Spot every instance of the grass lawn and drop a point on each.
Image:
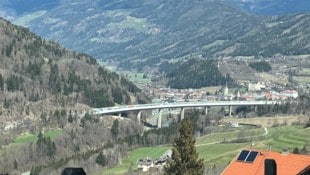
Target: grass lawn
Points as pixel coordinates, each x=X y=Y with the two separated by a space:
x=219 y=153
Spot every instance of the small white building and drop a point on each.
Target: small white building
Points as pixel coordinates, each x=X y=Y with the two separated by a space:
x=256 y=87
x=145 y=164
x=290 y=93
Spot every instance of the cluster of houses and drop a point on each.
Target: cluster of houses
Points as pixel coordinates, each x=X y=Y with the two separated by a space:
x=270 y=95
x=148 y=164
x=259 y=91
x=254 y=91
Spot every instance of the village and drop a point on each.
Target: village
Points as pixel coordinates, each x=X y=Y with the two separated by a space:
x=253 y=91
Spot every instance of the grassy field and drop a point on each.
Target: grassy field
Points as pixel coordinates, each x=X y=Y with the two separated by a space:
x=219 y=153
x=302 y=80
x=268 y=121
x=135 y=77
x=225 y=136
x=213 y=152
x=287 y=137
x=273 y=78
x=214 y=44
x=28 y=138
x=305 y=71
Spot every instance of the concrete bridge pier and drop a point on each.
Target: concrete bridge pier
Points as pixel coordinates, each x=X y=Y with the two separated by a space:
x=139 y=117
x=206 y=110
x=159 y=119
x=182 y=113
x=120 y=114
x=230 y=110
x=255 y=108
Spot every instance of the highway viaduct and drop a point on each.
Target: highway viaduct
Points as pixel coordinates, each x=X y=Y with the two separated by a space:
x=181 y=105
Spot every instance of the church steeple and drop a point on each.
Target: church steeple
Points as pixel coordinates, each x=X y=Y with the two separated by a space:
x=226 y=88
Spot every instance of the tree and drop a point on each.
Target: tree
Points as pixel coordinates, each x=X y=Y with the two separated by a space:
x=296 y=150
x=1 y=82
x=35 y=170
x=15 y=164
x=101 y=159
x=114 y=129
x=6 y=103
x=184 y=156
x=261 y=66
x=40 y=138
x=70 y=118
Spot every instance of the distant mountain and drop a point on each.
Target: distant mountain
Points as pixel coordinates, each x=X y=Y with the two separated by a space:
x=137 y=33
x=272 y=7
x=11 y=9
x=39 y=76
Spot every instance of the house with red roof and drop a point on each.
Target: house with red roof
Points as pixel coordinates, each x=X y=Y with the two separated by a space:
x=290 y=93
x=253 y=162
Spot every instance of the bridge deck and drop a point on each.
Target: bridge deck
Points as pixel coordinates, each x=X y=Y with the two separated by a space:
x=118 y=109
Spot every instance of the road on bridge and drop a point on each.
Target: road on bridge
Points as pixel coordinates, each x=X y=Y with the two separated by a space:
x=119 y=109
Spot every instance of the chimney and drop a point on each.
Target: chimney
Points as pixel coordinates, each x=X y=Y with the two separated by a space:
x=270 y=167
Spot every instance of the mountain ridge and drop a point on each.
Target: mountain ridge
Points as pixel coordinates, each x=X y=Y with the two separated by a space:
x=143 y=34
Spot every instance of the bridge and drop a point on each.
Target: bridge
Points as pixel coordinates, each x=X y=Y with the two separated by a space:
x=182 y=105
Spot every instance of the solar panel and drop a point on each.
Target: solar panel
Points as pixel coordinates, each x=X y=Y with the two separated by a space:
x=243 y=155
x=251 y=157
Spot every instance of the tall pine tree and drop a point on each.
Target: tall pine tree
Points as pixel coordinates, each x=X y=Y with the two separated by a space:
x=114 y=129
x=184 y=155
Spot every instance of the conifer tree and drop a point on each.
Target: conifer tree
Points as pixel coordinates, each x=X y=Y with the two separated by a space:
x=184 y=155
x=114 y=129
x=1 y=82
x=101 y=159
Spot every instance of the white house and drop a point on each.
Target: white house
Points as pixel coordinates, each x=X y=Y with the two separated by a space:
x=256 y=87
x=290 y=93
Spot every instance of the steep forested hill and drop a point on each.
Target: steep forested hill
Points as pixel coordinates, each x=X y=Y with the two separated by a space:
x=39 y=76
x=194 y=73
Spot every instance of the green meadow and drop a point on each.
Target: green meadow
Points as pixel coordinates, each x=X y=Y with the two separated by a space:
x=32 y=137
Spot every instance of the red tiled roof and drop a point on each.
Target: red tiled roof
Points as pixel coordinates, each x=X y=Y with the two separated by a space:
x=287 y=164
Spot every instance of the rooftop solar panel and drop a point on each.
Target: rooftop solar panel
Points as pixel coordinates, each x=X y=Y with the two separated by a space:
x=251 y=157
x=243 y=155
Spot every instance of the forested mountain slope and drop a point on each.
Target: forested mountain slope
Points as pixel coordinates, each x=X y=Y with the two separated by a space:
x=39 y=76
x=272 y=7
x=142 y=33
x=194 y=73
